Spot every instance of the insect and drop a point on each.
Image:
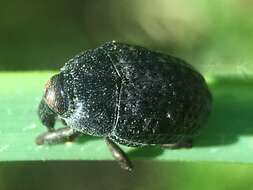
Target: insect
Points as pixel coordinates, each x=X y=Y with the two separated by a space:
x=128 y=95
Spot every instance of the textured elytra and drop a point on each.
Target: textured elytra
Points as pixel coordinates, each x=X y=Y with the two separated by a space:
x=133 y=95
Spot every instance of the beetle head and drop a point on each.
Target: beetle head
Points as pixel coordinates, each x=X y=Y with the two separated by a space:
x=54 y=95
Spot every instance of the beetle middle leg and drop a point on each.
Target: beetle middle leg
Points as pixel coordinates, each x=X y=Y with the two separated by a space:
x=55 y=136
x=187 y=143
x=119 y=155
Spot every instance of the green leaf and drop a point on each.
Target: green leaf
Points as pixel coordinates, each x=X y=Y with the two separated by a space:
x=227 y=136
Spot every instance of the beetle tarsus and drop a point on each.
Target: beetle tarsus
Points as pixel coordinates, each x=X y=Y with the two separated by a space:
x=182 y=144
x=57 y=136
x=119 y=155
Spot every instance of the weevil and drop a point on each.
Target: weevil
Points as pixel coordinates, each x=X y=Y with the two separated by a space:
x=128 y=95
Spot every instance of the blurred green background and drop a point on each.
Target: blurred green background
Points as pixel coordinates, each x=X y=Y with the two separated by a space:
x=215 y=36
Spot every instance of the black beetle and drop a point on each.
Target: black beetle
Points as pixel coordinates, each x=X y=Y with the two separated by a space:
x=128 y=95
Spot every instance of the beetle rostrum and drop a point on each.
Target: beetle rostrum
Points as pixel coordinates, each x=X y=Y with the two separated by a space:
x=128 y=95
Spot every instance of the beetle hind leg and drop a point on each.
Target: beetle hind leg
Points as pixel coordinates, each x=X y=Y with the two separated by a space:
x=119 y=155
x=187 y=143
x=55 y=136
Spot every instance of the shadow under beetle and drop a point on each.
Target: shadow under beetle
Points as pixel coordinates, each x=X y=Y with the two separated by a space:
x=128 y=95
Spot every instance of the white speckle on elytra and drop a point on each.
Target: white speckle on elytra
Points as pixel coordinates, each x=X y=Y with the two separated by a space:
x=4 y=147
x=32 y=126
x=121 y=60
x=168 y=115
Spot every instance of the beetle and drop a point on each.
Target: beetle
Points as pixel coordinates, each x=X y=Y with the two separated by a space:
x=127 y=94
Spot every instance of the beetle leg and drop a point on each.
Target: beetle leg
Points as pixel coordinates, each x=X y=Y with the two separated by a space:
x=57 y=136
x=119 y=155
x=46 y=115
x=182 y=144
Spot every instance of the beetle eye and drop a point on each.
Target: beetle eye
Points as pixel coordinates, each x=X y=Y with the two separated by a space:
x=54 y=95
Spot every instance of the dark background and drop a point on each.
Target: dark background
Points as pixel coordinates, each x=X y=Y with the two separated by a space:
x=107 y=175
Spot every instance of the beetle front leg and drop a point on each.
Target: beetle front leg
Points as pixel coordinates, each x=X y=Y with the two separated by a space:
x=57 y=136
x=119 y=155
x=52 y=136
x=46 y=115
